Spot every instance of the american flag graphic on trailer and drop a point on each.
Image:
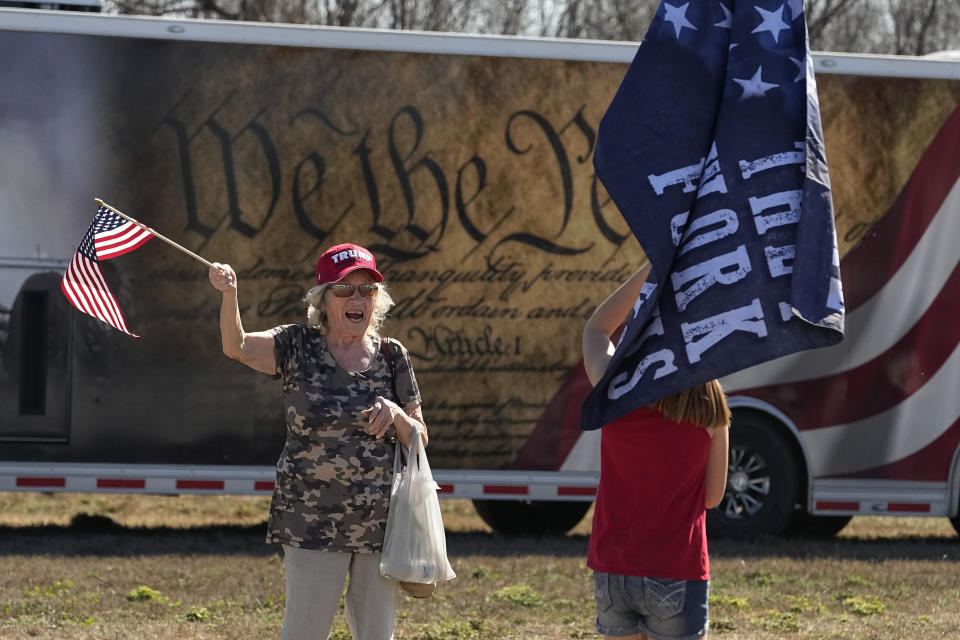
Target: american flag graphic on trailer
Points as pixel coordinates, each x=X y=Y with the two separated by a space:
x=83 y=283
x=880 y=405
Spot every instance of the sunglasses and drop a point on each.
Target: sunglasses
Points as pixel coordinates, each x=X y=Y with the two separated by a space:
x=346 y=290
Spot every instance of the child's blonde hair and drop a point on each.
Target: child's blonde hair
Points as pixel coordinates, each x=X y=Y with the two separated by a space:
x=704 y=405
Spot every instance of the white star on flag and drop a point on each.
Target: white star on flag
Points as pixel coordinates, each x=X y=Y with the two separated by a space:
x=678 y=17
x=754 y=87
x=772 y=22
x=727 y=22
x=796 y=8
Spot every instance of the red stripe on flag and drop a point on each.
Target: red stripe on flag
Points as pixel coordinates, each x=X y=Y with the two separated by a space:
x=263 y=485
x=83 y=283
x=881 y=383
x=445 y=488
x=105 y=296
x=68 y=290
x=89 y=290
x=127 y=248
x=85 y=288
x=931 y=463
x=894 y=375
x=74 y=291
x=41 y=482
x=112 y=302
x=883 y=251
x=824 y=505
x=97 y=291
x=210 y=485
x=117 y=236
x=121 y=483
x=86 y=292
x=120 y=241
x=505 y=489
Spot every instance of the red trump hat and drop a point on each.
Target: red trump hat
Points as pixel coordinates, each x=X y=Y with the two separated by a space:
x=341 y=259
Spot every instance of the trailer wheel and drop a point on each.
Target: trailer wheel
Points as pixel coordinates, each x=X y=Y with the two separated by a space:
x=531 y=517
x=762 y=481
x=804 y=525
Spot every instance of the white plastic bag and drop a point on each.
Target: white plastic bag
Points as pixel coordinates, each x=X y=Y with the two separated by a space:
x=415 y=546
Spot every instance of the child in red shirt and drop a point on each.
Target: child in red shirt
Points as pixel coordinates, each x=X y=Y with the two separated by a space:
x=661 y=467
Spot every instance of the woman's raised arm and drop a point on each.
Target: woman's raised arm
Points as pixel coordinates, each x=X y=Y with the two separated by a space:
x=252 y=349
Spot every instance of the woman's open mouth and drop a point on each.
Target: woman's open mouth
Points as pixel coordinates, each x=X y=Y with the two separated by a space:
x=354 y=316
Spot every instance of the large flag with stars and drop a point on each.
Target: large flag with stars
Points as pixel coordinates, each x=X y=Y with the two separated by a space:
x=713 y=151
x=83 y=283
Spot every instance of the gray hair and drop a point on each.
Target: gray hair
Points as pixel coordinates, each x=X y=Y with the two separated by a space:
x=317 y=317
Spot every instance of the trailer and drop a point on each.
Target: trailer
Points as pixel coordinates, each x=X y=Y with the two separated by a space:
x=464 y=163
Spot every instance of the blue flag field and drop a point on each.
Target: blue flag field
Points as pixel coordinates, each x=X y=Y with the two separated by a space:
x=713 y=151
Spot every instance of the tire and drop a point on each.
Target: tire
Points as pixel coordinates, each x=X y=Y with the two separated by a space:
x=804 y=525
x=762 y=481
x=530 y=518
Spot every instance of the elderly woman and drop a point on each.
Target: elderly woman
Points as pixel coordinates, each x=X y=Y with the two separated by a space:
x=347 y=392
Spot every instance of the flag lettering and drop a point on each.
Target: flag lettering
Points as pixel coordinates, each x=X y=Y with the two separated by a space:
x=688 y=176
x=702 y=335
x=789 y=199
x=725 y=269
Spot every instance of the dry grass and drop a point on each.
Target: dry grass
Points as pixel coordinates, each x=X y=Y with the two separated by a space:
x=194 y=567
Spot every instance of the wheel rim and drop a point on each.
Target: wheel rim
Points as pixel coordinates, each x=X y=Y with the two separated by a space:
x=748 y=484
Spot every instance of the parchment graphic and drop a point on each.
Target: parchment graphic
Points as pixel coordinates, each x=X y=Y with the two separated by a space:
x=469 y=178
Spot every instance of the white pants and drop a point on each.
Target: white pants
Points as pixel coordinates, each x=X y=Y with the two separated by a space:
x=314 y=585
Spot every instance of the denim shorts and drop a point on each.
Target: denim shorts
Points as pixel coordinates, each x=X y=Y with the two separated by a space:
x=661 y=608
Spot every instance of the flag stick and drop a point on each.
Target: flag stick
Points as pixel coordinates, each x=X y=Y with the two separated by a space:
x=162 y=237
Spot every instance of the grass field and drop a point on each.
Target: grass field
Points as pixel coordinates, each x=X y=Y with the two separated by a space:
x=101 y=567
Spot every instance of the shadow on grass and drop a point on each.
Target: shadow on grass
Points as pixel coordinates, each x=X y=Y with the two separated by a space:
x=933 y=548
x=100 y=536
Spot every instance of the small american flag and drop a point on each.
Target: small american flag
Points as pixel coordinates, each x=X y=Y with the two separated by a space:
x=109 y=236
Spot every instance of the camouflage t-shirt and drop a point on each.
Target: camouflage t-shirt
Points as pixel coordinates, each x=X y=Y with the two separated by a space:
x=333 y=479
